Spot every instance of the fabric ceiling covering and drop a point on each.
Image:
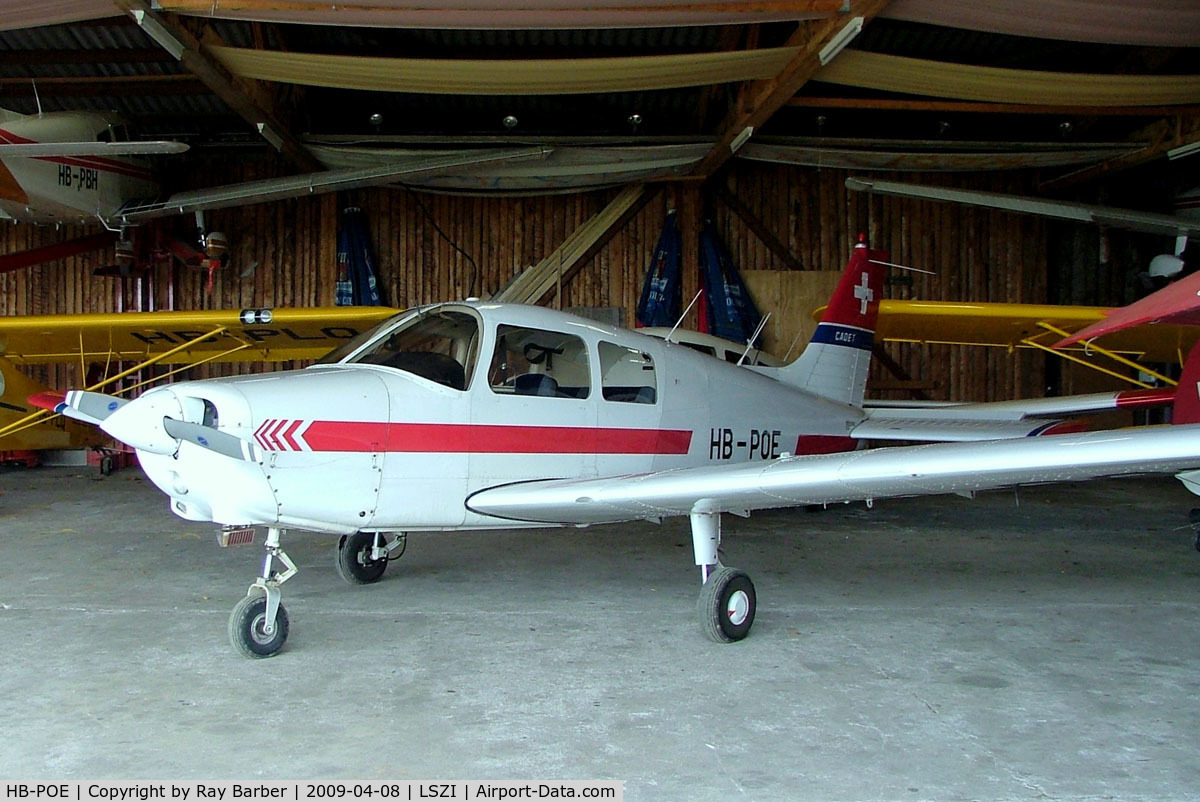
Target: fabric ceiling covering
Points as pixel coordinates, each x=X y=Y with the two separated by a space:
x=499 y=14
x=1159 y=23
x=16 y=14
x=997 y=85
x=502 y=77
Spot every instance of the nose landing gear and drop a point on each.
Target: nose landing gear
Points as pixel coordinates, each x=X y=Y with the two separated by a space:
x=258 y=625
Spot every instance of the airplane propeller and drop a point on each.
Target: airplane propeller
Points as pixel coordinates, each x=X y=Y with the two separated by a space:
x=154 y=422
x=214 y=440
x=90 y=407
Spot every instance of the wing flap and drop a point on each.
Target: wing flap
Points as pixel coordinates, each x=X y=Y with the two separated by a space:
x=852 y=476
x=947 y=430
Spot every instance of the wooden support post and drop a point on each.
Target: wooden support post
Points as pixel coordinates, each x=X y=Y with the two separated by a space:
x=690 y=219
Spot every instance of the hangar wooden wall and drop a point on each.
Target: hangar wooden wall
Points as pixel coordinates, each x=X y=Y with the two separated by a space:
x=977 y=255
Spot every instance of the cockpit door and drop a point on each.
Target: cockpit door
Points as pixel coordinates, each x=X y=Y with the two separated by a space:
x=534 y=412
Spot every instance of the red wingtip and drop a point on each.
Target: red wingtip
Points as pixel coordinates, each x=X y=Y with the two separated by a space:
x=48 y=399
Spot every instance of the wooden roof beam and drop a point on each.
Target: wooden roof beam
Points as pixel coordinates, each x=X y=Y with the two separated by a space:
x=757 y=101
x=100 y=85
x=1162 y=136
x=249 y=99
x=978 y=107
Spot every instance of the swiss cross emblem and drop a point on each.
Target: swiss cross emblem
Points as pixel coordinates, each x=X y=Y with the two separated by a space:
x=864 y=294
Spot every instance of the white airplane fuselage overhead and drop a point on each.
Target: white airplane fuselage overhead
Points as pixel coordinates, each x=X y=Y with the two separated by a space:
x=66 y=188
x=398 y=428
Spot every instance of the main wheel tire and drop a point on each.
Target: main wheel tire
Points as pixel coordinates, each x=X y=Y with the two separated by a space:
x=726 y=605
x=354 y=561
x=246 y=624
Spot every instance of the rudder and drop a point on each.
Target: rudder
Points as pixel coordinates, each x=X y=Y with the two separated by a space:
x=836 y=361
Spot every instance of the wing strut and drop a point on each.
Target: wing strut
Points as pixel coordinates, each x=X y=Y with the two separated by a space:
x=45 y=414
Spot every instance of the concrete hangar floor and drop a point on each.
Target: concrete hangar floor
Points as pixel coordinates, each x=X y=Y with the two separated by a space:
x=924 y=649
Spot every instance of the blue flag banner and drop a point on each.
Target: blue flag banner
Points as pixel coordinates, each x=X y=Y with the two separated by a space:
x=730 y=313
x=356 y=266
x=659 y=304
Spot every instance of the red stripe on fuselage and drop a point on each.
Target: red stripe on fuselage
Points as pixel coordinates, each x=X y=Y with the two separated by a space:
x=491 y=439
x=824 y=444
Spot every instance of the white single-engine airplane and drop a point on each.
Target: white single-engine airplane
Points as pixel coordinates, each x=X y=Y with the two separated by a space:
x=81 y=167
x=476 y=415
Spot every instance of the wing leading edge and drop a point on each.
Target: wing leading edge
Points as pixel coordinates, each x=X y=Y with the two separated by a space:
x=935 y=469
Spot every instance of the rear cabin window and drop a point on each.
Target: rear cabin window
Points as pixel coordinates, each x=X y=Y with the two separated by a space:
x=627 y=375
x=441 y=347
x=537 y=362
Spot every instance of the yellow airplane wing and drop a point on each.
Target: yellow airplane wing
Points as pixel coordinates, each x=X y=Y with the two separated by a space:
x=251 y=335
x=1026 y=326
x=177 y=338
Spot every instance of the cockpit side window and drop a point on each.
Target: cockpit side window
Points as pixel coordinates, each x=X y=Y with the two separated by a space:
x=441 y=347
x=627 y=374
x=539 y=362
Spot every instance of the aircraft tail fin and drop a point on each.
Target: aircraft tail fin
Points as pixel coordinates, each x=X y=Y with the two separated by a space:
x=1187 y=394
x=836 y=361
x=16 y=411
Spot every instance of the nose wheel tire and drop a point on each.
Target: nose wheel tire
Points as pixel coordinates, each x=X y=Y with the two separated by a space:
x=354 y=561
x=726 y=605
x=247 y=628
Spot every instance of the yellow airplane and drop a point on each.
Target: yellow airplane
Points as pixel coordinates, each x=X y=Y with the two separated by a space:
x=1040 y=327
x=183 y=339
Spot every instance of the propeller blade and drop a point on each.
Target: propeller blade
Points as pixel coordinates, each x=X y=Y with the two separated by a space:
x=207 y=437
x=89 y=407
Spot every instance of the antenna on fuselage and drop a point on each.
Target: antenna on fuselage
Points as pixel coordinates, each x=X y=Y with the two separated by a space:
x=685 y=313
x=750 y=343
x=36 y=97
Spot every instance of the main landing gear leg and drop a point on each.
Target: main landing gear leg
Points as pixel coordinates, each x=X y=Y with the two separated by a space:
x=727 y=600
x=363 y=557
x=258 y=625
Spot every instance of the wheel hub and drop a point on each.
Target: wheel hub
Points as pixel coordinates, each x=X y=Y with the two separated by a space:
x=738 y=607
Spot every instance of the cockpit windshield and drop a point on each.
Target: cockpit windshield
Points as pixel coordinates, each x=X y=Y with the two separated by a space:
x=441 y=346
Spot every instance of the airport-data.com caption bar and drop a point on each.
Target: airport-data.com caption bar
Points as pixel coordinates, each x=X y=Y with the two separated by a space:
x=310 y=791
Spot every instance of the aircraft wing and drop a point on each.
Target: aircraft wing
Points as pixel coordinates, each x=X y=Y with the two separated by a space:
x=313 y=183
x=250 y=335
x=1178 y=302
x=142 y=148
x=850 y=476
x=1080 y=212
x=1024 y=326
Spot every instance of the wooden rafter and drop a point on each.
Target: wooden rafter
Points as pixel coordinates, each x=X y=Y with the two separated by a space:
x=764 y=234
x=757 y=101
x=248 y=99
x=108 y=55
x=82 y=87
x=1163 y=136
x=979 y=107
